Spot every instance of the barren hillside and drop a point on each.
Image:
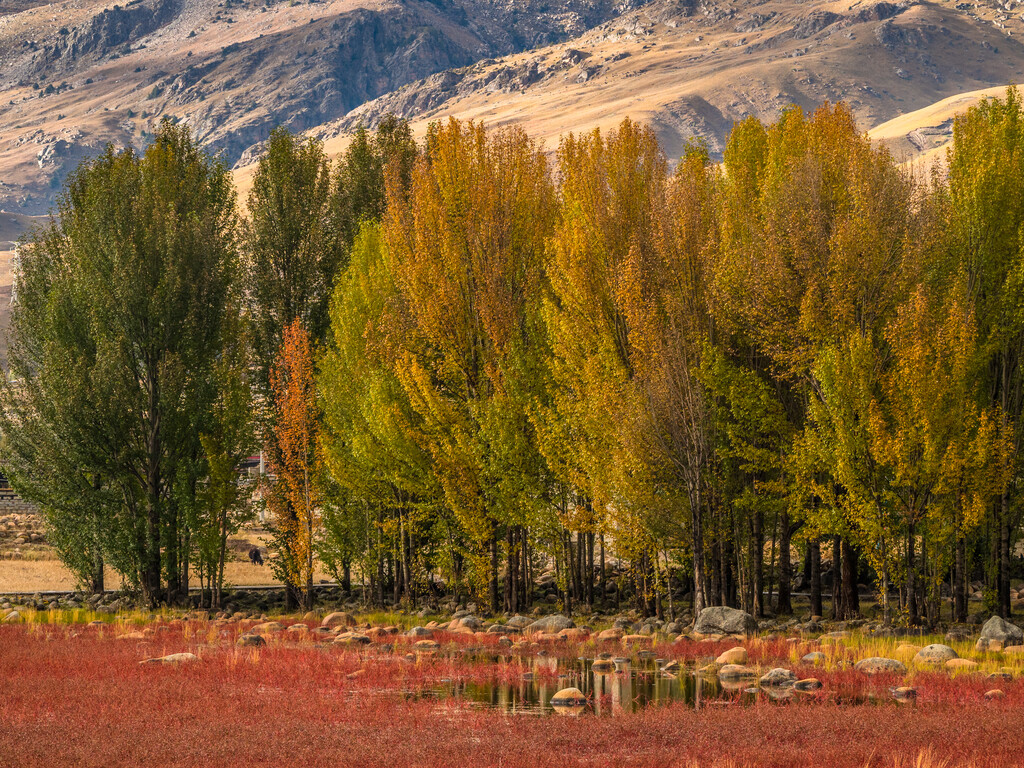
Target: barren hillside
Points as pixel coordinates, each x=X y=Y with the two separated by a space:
x=692 y=69
x=76 y=74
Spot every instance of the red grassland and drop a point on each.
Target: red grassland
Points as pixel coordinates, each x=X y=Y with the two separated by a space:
x=71 y=697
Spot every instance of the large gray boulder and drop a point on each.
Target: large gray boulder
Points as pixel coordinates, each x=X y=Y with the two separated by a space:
x=720 y=620
x=554 y=623
x=1003 y=631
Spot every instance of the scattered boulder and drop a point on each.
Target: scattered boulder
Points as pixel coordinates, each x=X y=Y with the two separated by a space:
x=554 y=623
x=904 y=694
x=1001 y=630
x=174 y=658
x=964 y=665
x=250 y=641
x=995 y=693
x=470 y=622
x=420 y=632
x=12 y=618
x=936 y=653
x=267 y=627
x=878 y=665
x=629 y=640
x=724 y=621
x=778 y=678
x=519 y=622
x=736 y=672
x=352 y=638
x=569 y=701
x=615 y=633
x=737 y=655
x=814 y=657
x=574 y=633
x=338 y=619
x=807 y=685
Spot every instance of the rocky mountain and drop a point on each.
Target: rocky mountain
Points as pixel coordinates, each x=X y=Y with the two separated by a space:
x=78 y=73
x=75 y=74
x=692 y=68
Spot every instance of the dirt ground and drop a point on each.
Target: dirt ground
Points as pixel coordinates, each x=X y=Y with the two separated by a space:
x=51 y=575
x=43 y=572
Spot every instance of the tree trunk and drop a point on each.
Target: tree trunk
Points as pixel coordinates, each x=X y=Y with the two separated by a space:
x=912 y=610
x=151 y=586
x=1005 y=608
x=784 y=605
x=960 y=581
x=838 y=611
x=494 y=574
x=757 y=545
x=697 y=526
x=851 y=600
x=814 y=555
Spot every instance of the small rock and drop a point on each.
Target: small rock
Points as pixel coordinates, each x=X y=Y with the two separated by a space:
x=995 y=693
x=815 y=657
x=250 y=641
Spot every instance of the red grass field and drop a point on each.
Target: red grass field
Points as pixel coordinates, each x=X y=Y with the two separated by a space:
x=71 y=697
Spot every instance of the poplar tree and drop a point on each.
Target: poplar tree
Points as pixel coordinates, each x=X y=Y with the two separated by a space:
x=125 y=296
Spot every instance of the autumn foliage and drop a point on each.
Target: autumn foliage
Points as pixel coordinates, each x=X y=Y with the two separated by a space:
x=293 y=492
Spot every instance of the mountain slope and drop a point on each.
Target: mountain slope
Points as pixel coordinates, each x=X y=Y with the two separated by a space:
x=693 y=69
x=78 y=73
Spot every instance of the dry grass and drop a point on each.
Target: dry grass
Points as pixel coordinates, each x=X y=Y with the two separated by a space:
x=51 y=575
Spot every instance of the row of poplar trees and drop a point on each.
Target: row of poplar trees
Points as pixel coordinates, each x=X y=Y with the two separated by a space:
x=468 y=362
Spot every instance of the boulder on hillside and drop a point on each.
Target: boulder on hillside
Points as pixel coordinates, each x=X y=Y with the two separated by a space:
x=720 y=620
x=554 y=623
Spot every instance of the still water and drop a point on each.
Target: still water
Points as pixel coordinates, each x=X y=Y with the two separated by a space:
x=634 y=686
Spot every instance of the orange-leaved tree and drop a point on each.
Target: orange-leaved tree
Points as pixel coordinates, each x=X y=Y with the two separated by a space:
x=293 y=493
